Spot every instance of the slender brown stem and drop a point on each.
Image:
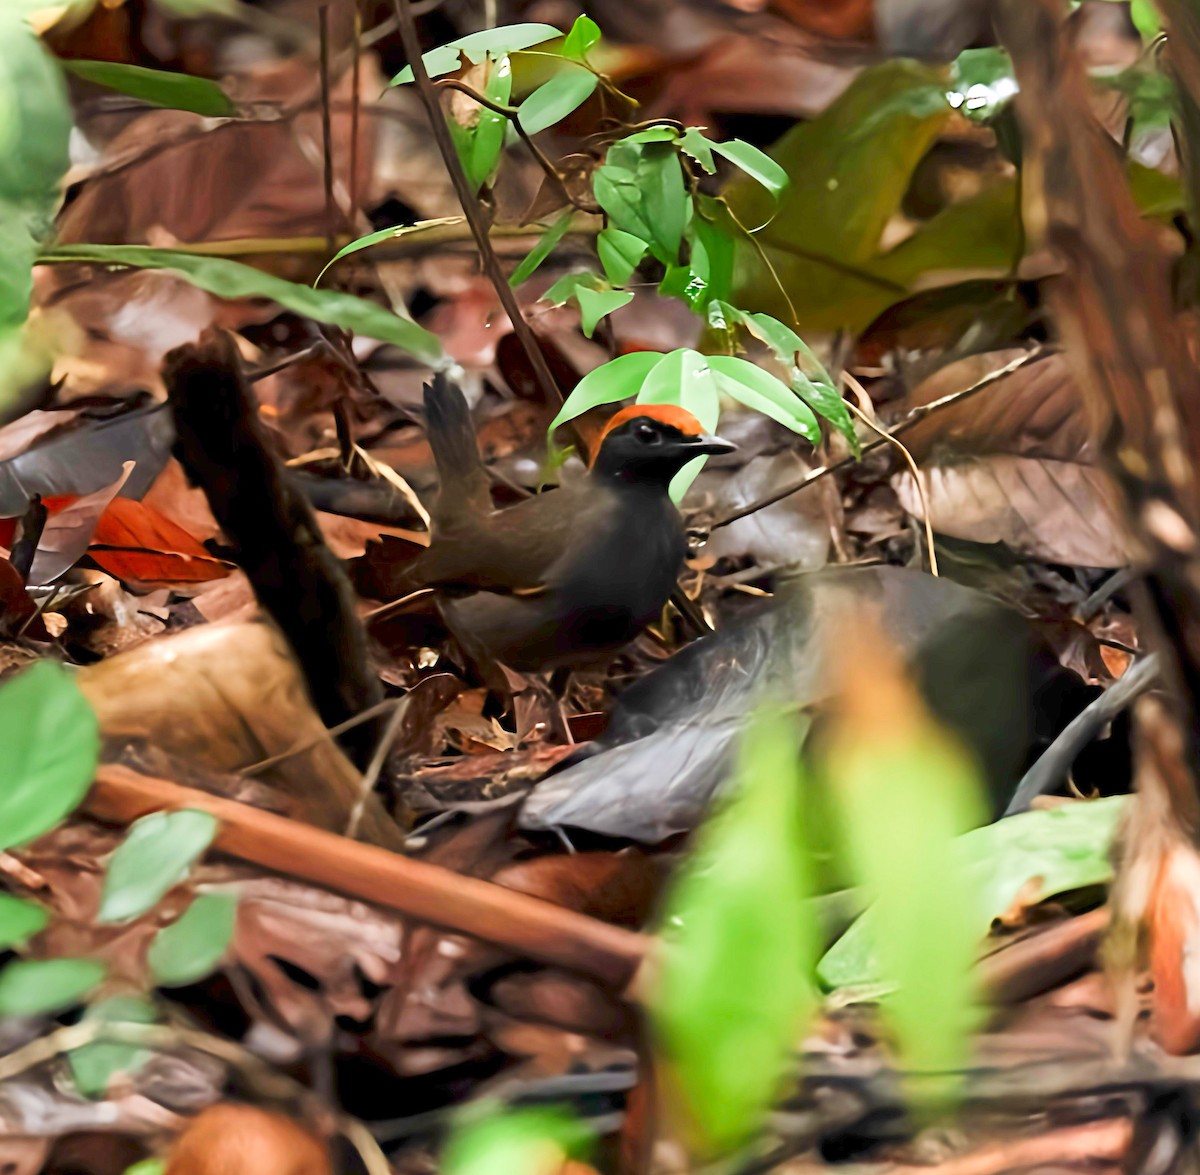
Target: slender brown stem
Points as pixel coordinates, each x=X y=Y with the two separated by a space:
x=470 y=205
x=327 y=130
x=356 y=75
x=916 y=414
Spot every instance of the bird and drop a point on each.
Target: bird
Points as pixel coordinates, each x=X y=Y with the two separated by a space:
x=983 y=669
x=568 y=576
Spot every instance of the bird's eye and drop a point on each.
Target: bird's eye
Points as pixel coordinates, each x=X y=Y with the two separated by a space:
x=647 y=434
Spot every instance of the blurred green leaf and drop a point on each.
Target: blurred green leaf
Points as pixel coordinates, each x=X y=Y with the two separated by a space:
x=620 y=254
x=982 y=83
x=1034 y=856
x=584 y=35
x=51 y=742
x=1145 y=18
x=19 y=920
x=760 y=390
x=699 y=147
x=385 y=234
x=230 y=279
x=733 y=992
x=905 y=791
x=535 y=1141
x=498 y=42
x=35 y=125
x=618 y=379
x=542 y=249
x=553 y=101
x=160 y=87
x=33 y=987
x=156 y=855
x=94 y=1065
x=191 y=947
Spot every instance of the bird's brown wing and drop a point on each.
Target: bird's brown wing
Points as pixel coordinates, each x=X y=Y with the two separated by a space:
x=511 y=550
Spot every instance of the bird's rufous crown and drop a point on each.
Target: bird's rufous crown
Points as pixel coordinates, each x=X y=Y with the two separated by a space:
x=671 y=414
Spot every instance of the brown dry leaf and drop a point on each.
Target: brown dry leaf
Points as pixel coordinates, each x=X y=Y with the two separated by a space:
x=1015 y=465
x=229 y=696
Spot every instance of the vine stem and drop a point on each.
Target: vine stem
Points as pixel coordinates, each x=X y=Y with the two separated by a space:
x=470 y=205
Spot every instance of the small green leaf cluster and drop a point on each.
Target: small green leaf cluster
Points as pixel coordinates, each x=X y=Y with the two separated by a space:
x=52 y=742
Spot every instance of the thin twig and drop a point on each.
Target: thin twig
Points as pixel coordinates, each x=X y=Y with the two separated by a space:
x=918 y=479
x=470 y=205
x=512 y=113
x=916 y=414
x=327 y=128
x=356 y=77
x=370 y=777
x=320 y=347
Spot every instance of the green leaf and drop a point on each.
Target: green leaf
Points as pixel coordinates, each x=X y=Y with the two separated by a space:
x=553 y=101
x=156 y=855
x=33 y=987
x=684 y=377
x=480 y=142
x=905 y=792
x=94 y=1065
x=230 y=279
x=618 y=379
x=699 y=147
x=35 y=125
x=147 y=1166
x=584 y=35
x=51 y=743
x=1145 y=18
x=1031 y=857
x=617 y=189
x=733 y=991
x=542 y=249
x=496 y=42
x=758 y=165
x=533 y=1141
x=667 y=206
x=760 y=390
x=595 y=304
x=712 y=254
x=620 y=254
x=192 y=946
x=385 y=234
x=160 y=87
x=19 y=920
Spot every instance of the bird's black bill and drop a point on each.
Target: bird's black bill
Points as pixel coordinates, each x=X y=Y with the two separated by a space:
x=710 y=445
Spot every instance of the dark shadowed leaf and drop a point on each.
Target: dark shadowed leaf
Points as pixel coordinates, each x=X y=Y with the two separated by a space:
x=192 y=946
x=51 y=742
x=32 y=987
x=734 y=991
x=155 y=856
x=160 y=87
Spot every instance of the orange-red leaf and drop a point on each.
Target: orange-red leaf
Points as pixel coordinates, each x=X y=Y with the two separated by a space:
x=133 y=541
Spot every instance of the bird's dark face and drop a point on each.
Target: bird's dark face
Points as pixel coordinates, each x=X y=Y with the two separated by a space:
x=650 y=444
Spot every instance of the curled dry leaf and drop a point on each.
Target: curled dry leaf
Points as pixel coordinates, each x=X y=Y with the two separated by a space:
x=1015 y=465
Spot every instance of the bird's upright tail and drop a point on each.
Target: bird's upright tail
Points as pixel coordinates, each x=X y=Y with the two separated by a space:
x=463 y=483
